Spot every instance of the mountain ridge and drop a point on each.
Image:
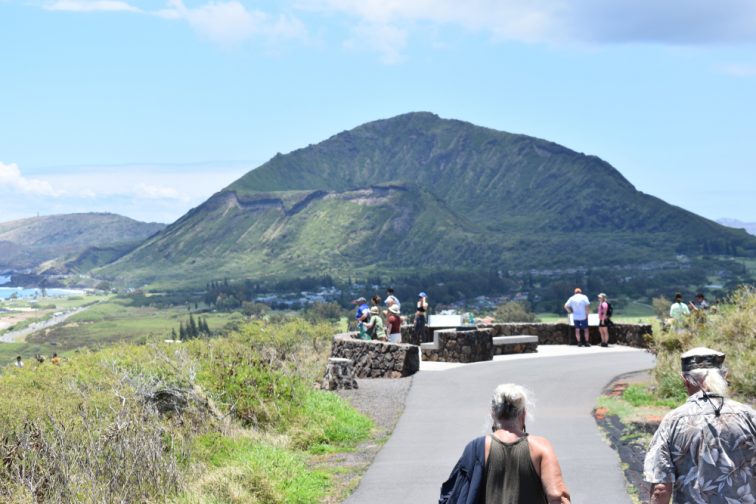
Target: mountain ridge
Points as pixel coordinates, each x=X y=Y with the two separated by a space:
x=31 y=242
x=461 y=197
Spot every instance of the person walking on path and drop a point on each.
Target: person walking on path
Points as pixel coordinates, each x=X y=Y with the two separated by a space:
x=705 y=450
x=604 y=320
x=19 y=363
x=509 y=466
x=579 y=306
x=421 y=314
x=394 y=324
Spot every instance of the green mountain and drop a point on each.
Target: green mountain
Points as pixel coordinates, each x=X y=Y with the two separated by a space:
x=417 y=193
x=52 y=241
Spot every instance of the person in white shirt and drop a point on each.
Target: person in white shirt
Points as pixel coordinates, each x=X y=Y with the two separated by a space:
x=579 y=306
x=391 y=299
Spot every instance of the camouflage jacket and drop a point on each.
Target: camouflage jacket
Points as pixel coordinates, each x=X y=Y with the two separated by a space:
x=709 y=459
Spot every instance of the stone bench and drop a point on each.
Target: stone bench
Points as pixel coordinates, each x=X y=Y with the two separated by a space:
x=525 y=343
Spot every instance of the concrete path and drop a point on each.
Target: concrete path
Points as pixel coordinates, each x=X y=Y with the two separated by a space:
x=448 y=407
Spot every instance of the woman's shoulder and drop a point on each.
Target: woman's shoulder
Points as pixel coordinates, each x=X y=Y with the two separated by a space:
x=540 y=444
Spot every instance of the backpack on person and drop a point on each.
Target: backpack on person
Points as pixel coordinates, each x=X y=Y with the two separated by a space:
x=609 y=310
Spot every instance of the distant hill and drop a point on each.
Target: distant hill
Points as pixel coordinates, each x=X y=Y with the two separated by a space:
x=417 y=193
x=750 y=227
x=27 y=244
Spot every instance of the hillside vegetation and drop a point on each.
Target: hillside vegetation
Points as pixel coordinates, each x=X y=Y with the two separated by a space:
x=417 y=194
x=224 y=420
x=730 y=328
x=28 y=243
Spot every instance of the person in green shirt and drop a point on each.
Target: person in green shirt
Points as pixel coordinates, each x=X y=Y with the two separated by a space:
x=678 y=310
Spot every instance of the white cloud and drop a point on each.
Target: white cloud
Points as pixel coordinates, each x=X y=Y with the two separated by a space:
x=91 y=6
x=674 y=22
x=10 y=177
x=231 y=23
x=149 y=191
x=386 y=40
x=738 y=69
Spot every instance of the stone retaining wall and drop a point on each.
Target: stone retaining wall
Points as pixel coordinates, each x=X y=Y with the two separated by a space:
x=558 y=334
x=473 y=345
x=515 y=348
x=377 y=359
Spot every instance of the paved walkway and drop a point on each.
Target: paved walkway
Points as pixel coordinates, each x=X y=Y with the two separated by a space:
x=448 y=405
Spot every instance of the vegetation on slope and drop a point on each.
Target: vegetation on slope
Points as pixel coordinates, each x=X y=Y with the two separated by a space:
x=729 y=328
x=416 y=194
x=27 y=243
x=232 y=419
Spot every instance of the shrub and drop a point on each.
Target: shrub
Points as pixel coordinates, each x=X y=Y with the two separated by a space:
x=729 y=328
x=515 y=311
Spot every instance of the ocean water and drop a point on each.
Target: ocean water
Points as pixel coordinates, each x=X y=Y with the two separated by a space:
x=7 y=292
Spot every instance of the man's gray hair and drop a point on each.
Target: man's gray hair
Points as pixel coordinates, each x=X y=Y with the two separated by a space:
x=710 y=380
x=509 y=401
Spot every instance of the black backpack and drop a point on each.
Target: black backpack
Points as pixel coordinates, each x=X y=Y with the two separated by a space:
x=609 y=310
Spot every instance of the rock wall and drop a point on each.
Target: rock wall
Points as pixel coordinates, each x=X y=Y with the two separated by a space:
x=558 y=334
x=377 y=359
x=454 y=345
x=515 y=348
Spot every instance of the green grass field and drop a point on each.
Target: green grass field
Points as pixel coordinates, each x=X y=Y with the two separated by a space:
x=116 y=320
x=109 y=320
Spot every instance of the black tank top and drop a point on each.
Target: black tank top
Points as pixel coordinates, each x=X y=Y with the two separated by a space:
x=510 y=475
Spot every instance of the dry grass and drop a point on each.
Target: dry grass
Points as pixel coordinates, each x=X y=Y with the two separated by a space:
x=730 y=328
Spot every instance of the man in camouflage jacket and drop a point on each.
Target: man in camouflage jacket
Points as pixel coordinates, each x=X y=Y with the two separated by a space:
x=706 y=449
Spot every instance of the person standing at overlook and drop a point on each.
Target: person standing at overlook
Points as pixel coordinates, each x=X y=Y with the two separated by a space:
x=579 y=306
x=394 y=323
x=604 y=321
x=421 y=317
x=391 y=299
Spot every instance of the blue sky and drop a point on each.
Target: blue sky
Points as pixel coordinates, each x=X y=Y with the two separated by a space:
x=147 y=107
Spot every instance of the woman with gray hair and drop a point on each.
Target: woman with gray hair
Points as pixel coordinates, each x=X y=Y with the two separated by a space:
x=509 y=466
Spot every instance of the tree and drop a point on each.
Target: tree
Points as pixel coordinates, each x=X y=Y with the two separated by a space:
x=182 y=332
x=192 y=328
x=515 y=311
x=661 y=307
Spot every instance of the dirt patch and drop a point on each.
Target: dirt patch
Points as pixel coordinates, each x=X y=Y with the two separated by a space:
x=629 y=440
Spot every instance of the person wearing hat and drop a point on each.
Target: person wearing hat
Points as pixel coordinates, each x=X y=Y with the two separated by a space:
x=579 y=306
x=421 y=314
x=375 y=328
x=363 y=310
x=705 y=450
x=394 y=324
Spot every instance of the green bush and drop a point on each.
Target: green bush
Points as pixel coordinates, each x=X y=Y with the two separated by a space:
x=729 y=327
x=93 y=429
x=515 y=311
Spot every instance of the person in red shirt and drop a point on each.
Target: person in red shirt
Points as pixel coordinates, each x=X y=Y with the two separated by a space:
x=394 y=324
